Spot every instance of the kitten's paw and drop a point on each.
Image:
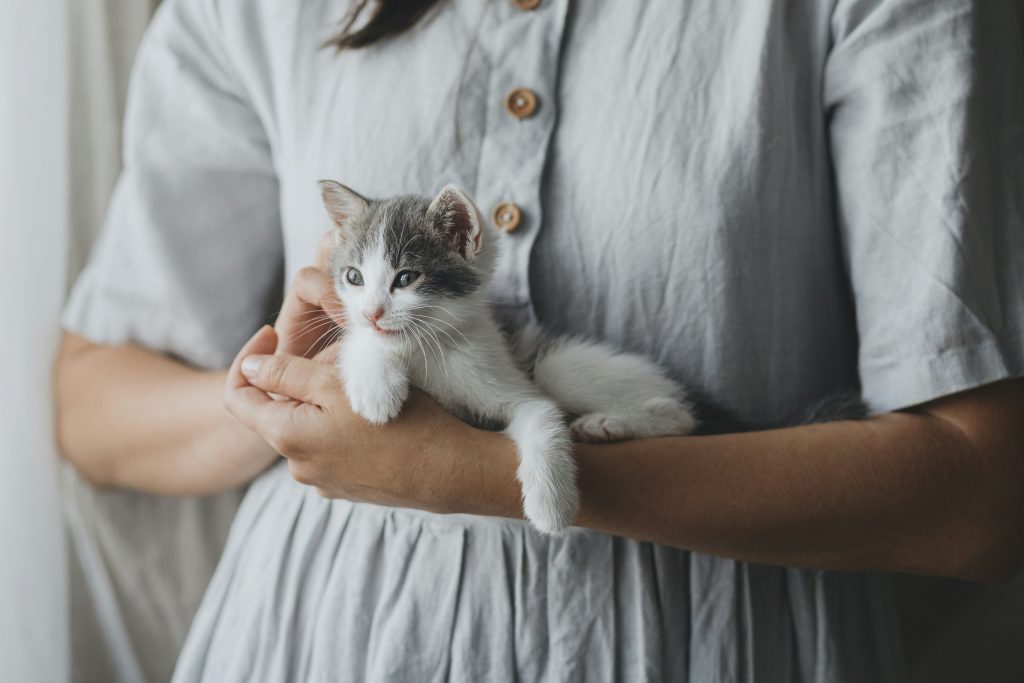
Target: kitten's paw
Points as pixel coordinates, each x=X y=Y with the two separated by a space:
x=376 y=388
x=664 y=417
x=378 y=405
x=551 y=509
x=598 y=428
x=547 y=465
x=551 y=497
x=655 y=417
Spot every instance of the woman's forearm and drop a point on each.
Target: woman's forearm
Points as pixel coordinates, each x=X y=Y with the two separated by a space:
x=840 y=496
x=935 y=490
x=908 y=492
x=132 y=418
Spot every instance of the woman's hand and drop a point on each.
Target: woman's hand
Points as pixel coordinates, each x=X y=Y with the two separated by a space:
x=173 y=435
x=426 y=459
x=311 y=316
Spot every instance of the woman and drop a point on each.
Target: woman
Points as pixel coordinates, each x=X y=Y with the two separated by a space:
x=774 y=200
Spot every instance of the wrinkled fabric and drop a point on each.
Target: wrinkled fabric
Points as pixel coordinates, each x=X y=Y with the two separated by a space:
x=776 y=200
x=311 y=590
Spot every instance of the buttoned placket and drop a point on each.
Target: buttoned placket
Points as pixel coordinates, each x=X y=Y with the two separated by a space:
x=522 y=41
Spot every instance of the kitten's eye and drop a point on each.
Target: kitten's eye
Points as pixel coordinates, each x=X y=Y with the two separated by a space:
x=406 y=278
x=354 y=277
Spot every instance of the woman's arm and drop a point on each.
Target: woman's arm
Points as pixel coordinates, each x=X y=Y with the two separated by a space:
x=133 y=418
x=936 y=490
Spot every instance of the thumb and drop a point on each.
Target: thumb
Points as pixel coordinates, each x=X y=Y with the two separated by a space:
x=297 y=378
x=237 y=390
x=263 y=342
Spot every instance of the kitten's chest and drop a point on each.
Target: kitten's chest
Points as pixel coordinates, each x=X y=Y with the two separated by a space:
x=450 y=377
x=430 y=370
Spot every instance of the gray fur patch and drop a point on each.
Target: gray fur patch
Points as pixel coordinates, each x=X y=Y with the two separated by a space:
x=413 y=240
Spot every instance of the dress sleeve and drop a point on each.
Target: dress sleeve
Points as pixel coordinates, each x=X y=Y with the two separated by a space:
x=190 y=257
x=926 y=121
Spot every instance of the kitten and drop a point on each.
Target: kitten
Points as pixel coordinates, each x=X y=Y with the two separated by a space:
x=413 y=275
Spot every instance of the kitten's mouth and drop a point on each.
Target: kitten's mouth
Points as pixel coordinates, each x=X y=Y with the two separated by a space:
x=385 y=331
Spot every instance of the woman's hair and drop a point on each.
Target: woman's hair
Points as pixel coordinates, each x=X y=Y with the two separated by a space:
x=371 y=21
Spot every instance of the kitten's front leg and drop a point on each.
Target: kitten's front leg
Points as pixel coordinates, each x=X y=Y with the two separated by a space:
x=547 y=466
x=375 y=377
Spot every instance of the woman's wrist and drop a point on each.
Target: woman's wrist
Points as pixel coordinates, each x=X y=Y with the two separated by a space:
x=217 y=453
x=478 y=475
x=132 y=418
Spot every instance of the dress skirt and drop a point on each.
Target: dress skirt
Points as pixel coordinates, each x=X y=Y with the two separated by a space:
x=316 y=590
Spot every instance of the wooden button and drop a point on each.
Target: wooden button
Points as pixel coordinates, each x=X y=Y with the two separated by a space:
x=526 y=5
x=507 y=216
x=521 y=103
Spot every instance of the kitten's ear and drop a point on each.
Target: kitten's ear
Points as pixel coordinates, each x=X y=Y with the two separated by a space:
x=457 y=218
x=343 y=204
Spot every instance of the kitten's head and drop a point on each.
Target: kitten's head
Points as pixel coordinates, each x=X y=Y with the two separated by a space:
x=405 y=266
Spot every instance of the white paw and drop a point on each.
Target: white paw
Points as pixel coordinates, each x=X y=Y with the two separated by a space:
x=655 y=417
x=550 y=495
x=599 y=428
x=547 y=466
x=665 y=417
x=551 y=509
x=378 y=403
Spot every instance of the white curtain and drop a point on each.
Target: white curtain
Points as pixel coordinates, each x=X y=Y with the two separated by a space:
x=33 y=197
x=64 y=68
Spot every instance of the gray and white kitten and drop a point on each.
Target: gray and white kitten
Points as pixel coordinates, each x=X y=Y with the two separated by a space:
x=413 y=275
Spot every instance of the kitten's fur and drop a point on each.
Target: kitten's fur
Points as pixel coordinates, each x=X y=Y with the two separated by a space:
x=437 y=332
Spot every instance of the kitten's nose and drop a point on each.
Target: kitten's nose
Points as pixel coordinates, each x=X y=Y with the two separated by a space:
x=373 y=315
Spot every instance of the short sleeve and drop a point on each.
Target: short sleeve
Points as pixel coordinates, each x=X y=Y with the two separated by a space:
x=926 y=124
x=190 y=257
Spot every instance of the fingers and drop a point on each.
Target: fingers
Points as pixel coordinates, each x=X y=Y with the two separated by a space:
x=310 y=314
x=328 y=355
x=322 y=260
x=274 y=420
x=297 y=378
x=263 y=342
x=314 y=287
x=243 y=400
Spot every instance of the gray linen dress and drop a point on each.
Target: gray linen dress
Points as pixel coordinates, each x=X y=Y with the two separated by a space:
x=775 y=199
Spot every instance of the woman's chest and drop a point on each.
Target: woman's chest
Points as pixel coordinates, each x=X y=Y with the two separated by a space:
x=667 y=163
x=614 y=129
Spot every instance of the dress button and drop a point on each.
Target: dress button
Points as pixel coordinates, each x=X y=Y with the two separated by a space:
x=507 y=216
x=526 y=4
x=521 y=103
